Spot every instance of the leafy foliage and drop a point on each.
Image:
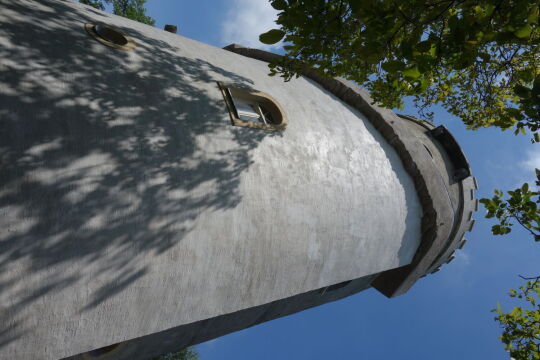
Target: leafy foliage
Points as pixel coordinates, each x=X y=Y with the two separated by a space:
x=522 y=206
x=98 y=4
x=131 y=9
x=479 y=59
x=521 y=327
x=184 y=354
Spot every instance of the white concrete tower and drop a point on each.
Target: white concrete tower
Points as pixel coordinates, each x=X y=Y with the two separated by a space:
x=157 y=192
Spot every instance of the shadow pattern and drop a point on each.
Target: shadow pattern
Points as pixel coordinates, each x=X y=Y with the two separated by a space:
x=102 y=156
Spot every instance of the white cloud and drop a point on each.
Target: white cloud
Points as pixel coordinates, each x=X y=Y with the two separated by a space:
x=457 y=274
x=531 y=162
x=246 y=20
x=463 y=257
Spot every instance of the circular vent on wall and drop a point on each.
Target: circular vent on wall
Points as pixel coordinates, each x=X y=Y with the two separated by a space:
x=108 y=35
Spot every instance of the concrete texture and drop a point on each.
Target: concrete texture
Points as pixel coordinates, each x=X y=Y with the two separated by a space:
x=172 y=340
x=129 y=205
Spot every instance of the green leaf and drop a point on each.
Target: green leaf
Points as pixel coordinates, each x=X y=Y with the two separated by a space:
x=279 y=4
x=516 y=114
x=424 y=84
x=522 y=91
x=271 y=37
x=533 y=15
x=423 y=46
x=393 y=66
x=523 y=32
x=412 y=73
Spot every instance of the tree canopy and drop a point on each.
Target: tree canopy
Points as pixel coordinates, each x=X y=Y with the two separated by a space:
x=521 y=326
x=479 y=59
x=184 y=354
x=131 y=9
x=521 y=207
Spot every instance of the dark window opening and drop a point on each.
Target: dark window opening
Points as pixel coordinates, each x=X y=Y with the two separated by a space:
x=454 y=152
x=110 y=34
x=429 y=151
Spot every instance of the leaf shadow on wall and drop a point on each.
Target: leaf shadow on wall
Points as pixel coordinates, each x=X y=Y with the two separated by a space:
x=101 y=157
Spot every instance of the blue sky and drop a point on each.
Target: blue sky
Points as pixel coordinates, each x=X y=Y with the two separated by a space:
x=445 y=315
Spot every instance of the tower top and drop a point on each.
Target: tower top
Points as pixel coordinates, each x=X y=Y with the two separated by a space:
x=427 y=152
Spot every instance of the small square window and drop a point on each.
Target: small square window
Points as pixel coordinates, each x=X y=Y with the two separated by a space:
x=251 y=108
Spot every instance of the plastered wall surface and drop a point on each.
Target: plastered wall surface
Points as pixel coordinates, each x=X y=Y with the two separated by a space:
x=129 y=204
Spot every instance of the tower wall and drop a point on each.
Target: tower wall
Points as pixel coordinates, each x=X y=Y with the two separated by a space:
x=131 y=205
x=180 y=337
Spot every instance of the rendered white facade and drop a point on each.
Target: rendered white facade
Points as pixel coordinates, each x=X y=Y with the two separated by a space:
x=130 y=204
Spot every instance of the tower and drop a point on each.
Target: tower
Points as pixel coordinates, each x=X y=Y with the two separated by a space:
x=157 y=192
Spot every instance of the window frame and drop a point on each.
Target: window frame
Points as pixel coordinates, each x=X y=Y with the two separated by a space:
x=231 y=91
x=90 y=30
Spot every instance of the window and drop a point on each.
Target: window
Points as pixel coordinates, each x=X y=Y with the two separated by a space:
x=107 y=35
x=251 y=108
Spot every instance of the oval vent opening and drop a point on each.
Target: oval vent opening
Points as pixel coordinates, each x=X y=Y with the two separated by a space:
x=110 y=34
